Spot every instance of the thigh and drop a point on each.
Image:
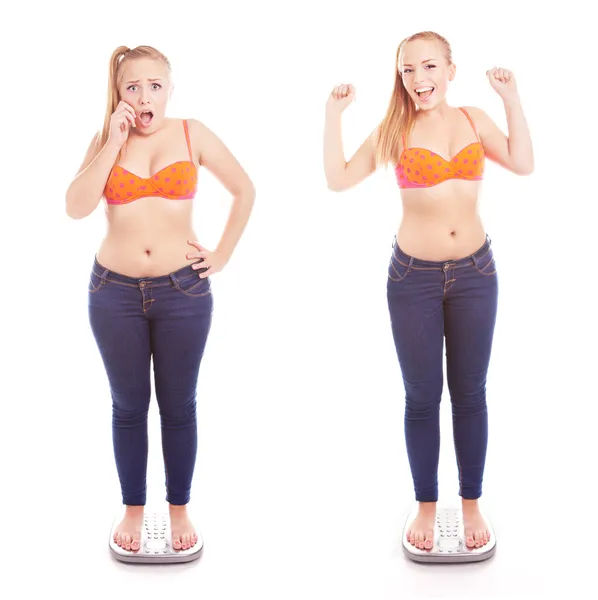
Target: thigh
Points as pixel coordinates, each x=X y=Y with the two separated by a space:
x=416 y=314
x=470 y=317
x=122 y=334
x=181 y=318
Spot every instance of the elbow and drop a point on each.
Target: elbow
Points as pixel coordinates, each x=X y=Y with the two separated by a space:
x=525 y=169
x=335 y=185
x=246 y=193
x=73 y=209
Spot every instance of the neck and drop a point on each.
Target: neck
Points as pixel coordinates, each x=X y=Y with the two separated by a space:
x=438 y=112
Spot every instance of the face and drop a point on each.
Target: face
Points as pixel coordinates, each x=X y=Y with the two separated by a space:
x=425 y=72
x=146 y=86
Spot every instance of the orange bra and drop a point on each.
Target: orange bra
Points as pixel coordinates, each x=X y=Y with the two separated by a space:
x=177 y=181
x=419 y=167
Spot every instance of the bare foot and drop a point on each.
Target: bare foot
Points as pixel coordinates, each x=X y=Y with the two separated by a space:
x=475 y=528
x=128 y=533
x=183 y=532
x=421 y=531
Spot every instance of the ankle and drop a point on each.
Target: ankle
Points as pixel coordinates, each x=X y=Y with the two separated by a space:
x=134 y=512
x=469 y=504
x=427 y=507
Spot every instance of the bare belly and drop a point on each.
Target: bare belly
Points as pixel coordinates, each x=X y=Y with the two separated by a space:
x=441 y=223
x=148 y=237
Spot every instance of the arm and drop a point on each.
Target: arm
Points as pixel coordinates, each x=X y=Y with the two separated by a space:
x=513 y=152
x=217 y=158
x=85 y=192
x=340 y=174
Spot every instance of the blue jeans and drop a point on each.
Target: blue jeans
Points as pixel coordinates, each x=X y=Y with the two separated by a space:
x=166 y=319
x=430 y=302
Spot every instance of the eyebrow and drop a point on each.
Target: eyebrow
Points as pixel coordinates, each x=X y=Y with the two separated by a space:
x=138 y=80
x=423 y=61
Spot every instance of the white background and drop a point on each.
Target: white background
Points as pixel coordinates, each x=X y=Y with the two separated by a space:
x=302 y=483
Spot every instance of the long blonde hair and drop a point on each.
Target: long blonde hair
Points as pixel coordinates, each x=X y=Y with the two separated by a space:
x=119 y=56
x=401 y=113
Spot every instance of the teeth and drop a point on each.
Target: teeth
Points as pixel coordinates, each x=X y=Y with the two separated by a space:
x=427 y=89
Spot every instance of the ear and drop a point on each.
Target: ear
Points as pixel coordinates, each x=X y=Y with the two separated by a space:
x=452 y=71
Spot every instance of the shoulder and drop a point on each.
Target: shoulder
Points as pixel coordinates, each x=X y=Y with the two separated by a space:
x=201 y=136
x=198 y=130
x=483 y=123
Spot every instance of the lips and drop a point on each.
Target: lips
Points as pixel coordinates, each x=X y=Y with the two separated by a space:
x=146 y=117
x=425 y=92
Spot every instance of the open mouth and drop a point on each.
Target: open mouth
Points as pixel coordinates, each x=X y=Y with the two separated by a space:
x=146 y=117
x=425 y=92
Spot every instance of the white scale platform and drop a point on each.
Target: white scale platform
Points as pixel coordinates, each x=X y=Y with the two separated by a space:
x=156 y=546
x=449 y=541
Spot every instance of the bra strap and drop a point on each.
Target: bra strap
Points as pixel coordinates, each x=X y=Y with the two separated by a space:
x=188 y=140
x=470 y=121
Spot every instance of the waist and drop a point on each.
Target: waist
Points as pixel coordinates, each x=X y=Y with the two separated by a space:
x=146 y=256
x=415 y=262
x=157 y=279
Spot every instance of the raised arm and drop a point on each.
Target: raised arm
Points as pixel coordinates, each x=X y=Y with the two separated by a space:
x=340 y=174
x=85 y=191
x=513 y=151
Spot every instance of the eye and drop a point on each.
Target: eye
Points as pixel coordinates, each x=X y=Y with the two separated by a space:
x=431 y=66
x=130 y=88
x=406 y=70
x=157 y=86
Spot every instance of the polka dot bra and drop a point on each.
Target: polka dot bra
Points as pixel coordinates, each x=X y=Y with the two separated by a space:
x=419 y=167
x=177 y=181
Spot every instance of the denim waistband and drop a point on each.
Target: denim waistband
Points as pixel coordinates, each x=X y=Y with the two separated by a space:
x=109 y=275
x=432 y=264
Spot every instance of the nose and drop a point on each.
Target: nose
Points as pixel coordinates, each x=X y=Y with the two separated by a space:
x=418 y=75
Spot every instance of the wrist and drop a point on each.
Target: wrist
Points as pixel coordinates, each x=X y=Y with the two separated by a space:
x=223 y=254
x=510 y=101
x=112 y=146
x=332 y=112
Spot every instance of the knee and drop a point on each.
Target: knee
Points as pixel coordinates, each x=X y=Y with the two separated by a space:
x=130 y=408
x=423 y=398
x=468 y=392
x=177 y=409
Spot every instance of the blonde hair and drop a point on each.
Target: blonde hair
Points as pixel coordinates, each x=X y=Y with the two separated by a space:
x=401 y=113
x=119 y=56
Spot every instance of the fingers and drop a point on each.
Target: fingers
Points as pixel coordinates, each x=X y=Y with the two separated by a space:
x=202 y=255
x=197 y=245
x=126 y=112
x=499 y=74
x=209 y=271
x=343 y=91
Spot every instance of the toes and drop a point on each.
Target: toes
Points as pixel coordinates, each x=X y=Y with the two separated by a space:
x=135 y=543
x=469 y=541
x=185 y=538
x=127 y=542
x=478 y=539
x=485 y=537
x=195 y=538
x=176 y=543
x=428 y=543
x=420 y=541
x=119 y=540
